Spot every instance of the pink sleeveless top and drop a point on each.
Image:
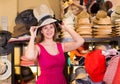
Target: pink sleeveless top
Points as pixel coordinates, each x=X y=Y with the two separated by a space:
x=51 y=66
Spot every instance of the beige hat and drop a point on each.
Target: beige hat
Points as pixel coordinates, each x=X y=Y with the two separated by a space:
x=42 y=10
x=5 y=69
x=116 y=14
x=83 y=14
x=117 y=10
x=101 y=14
x=83 y=18
x=102 y=36
x=44 y=15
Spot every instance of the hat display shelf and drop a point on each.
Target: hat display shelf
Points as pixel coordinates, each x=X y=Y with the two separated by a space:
x=104 y=33
x=5 y=64
x=18 y=65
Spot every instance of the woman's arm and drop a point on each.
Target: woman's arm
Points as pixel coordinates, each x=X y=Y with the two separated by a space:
x=77 y=40
x=32 y=50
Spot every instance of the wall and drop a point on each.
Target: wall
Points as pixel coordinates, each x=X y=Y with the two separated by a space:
x=115 y=3
x=10 y=8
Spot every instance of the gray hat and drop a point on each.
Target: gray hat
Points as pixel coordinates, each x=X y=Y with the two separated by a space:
x=5 y=46
x=80 y=73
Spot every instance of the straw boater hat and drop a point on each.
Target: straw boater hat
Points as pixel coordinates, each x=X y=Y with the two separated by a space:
x=83 y=18
x=102 y=18
x=5 y=69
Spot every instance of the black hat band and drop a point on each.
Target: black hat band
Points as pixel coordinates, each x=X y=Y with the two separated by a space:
x=44 y=18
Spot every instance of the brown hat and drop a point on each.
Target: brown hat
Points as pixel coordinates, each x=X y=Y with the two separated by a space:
x=19 y=30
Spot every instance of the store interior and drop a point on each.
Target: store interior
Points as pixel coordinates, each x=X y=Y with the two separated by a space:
x=98 y=28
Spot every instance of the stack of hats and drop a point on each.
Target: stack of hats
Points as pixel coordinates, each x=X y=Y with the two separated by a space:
x=27 y=18
x=68 y=20
x=83 y=25
x=24 y=20
x=117 y=27
x=102 y=25
x=115 y=18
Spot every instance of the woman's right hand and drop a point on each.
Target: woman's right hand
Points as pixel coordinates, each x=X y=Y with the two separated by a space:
x=33 y=31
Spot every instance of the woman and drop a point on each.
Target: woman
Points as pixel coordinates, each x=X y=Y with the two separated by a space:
x=48 y=52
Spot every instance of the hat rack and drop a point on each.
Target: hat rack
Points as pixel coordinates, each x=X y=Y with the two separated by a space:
x=4 y=59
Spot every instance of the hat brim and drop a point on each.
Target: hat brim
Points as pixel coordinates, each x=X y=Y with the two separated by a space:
x=115 y=14
x=20 y=30
x=81 y=76
x=47 y=21
x=8 y=71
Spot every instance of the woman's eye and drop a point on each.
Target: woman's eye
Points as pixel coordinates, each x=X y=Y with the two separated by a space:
x=51 y=27
x=45 y=27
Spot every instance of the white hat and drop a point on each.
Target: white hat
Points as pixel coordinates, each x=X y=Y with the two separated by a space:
x=5 y=69
x=42 y=10
x=44 y=15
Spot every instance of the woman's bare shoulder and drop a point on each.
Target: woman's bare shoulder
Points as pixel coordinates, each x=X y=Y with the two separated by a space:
x=37 y=48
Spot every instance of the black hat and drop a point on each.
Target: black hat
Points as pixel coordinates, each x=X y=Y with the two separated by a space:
x=26 y=17
x=94 y=8
x=27 y=74
x=5 y=47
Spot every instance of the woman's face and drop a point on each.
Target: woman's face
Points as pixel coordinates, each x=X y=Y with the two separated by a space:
x=48 y=31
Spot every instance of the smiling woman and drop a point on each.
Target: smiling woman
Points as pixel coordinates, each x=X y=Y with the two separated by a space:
x=48 y=51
